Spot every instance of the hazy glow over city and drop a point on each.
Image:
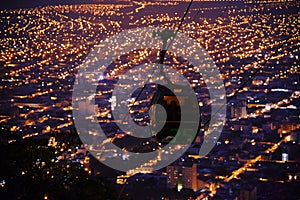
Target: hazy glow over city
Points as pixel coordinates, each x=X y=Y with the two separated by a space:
x=253 y=44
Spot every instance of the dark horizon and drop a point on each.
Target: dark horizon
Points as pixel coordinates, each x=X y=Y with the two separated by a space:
x=14 y=4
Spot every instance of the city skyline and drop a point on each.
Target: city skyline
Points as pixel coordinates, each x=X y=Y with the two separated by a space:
x=254 y=46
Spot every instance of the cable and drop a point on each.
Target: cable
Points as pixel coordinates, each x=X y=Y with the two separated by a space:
x=178 y=28
x=180 y=24
x=251 y=77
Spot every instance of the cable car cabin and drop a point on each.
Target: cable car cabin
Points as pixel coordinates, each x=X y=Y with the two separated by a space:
x=170 y=102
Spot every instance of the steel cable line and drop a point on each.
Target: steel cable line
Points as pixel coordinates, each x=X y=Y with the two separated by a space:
x=251 y=77
x=161 y=59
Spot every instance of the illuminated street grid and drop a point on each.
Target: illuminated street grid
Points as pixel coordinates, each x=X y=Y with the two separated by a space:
x=42 y=48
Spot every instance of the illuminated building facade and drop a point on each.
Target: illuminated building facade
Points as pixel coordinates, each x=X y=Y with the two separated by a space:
x=182 y=175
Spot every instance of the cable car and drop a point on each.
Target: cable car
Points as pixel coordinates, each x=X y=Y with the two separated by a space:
x=170 y=102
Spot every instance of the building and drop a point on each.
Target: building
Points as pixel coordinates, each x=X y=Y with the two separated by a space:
x=238 y=109
x=182 y=175
x=286 y=127
x=248 y=193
